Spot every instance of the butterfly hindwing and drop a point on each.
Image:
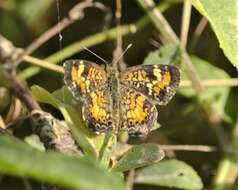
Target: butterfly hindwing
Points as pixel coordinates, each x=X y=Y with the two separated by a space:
x=157 y=82
x=138 y=114
x=97 y=110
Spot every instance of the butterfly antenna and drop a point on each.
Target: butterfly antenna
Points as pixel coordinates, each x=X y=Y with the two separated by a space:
x=123 y=53
x=94 y=54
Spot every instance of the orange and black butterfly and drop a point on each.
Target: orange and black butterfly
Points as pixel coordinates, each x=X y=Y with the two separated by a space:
x=114 y=100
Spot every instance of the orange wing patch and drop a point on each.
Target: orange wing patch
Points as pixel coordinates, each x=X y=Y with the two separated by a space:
x=161 y=83
x=156 y=82
x=137 y=113
x=95 y=74
x=98 y=107
x=139 y=75
x=96 y=111
x=82 y=77
x=77 y=77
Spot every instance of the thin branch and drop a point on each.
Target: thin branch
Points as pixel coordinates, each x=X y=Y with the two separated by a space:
x=44 y=121
x=24 y=95
x=118 y=50
x=43 y=64
x=197 y=33
x=130 y=179
x=163 y=26
x=232 y=82
x=185 y=22
x=90 y=41
x=76 y=13
x=195 y=148
x=161 y=23
x=104 y=36
x=97 y=38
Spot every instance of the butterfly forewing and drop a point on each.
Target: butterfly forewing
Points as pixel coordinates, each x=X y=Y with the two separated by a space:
x=82 y=77
x=157 y=82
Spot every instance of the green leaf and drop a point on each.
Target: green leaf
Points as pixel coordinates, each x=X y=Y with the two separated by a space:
x=107 y=149
x=216 y=95
x=169 y=173
x=74 y=109
x=34 y=141
x=223 y=17
x=138 y=156
x=19 y=159
x=44 y=96
x=165 y=55
x=64 y=95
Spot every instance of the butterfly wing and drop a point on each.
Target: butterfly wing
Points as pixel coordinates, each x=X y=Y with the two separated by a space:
x=97 y=110
x=82 y=77
x=158 y=82
x=138 y=114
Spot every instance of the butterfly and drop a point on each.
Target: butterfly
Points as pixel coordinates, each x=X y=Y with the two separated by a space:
x=115 y=101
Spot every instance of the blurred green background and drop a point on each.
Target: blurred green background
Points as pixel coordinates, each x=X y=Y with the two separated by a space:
x=183 y=121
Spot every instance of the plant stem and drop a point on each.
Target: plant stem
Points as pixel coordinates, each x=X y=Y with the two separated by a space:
x=93 y=40
x=45 y=122
x=197 y=33
x=167 y=32
x=232 y=82
x=104 y=36
x=185 y=22
x=76 y=13
x=195 y=148
x=43 y=64
x=90 y=41
x=163 y=26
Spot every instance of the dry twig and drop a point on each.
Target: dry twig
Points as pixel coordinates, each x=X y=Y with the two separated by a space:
x=76 y=13
x=185 y=22
x=161 y=23
x=54 y=138
x=197 y=33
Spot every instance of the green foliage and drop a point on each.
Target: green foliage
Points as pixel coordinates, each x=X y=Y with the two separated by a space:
x=138 y=156
x=18 y=158
x=168 y=54
x=223 y=18
x=102 y=147
x=104 y=160
x=169 y=173
x=216 y=95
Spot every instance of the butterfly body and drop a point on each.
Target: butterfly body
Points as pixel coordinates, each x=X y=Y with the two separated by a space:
x=116 y=100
